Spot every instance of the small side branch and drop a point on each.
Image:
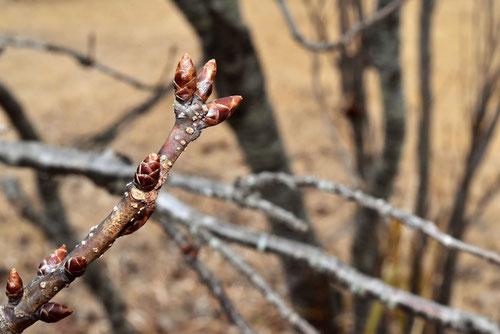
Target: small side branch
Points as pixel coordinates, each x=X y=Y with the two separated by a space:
x=208 y=278
x=359 y=284
x=134 y=209
x=86 y=60
x=347 y=37
x=380 y=206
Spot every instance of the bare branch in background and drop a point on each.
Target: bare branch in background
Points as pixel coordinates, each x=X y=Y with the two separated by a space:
x=272 y=297
x=208 y=278
x=105 y=169
x=342 y=274
x=166 y=204
x=381 y=206
x=86 y=60
x=347 y=37
x=128 y=117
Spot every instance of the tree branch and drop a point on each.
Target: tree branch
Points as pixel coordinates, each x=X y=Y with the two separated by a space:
x=134 y=208
x=85 y=60
x=208 y=278
x=347 y=37
x=382 y=207
x=342 y=274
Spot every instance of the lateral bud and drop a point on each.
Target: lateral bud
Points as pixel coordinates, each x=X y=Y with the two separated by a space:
x=53 y=312
x=49 y=264
x=205 y=81
x=185 y=79
x=220 y=109
x=14 y=289
x=138 y=220
x=148 y=173
x=75 y=267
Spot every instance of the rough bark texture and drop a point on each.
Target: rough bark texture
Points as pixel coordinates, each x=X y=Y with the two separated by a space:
x=419 y=241
x=383 y=45
x=225 y=37
x=56 y=226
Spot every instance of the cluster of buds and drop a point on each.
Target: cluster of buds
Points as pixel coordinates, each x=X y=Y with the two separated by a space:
x=193 y=90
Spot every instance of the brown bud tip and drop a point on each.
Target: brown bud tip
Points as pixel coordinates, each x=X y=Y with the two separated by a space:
x=148 y=173
x=205 y=81
x=138 y=220
x=53 y=312
x=220 y=109
x=75 y=267
x=14 y=289
x=49 y=264
x=185 y=79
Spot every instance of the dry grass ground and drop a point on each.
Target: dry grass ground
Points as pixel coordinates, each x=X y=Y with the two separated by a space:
x=68 y=103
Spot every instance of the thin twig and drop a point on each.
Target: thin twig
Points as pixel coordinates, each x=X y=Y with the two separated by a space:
x=209 y=279
x=347 y=37
x=271 y=296
x=380 y=206
x=342 y=274
x=107 y=169
x=83 y=59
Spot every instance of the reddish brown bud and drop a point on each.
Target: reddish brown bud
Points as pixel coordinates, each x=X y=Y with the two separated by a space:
x=53 y=312
x=148 y=173
x=220 y=109
x=190 y=250
x=49 y=264
x=75 y=267
x=205 y=81
x=185 y=79
x=138 y=220
x=14 y=289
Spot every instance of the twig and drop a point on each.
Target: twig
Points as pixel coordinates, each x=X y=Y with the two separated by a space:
x=228 y=192
x=107 y=169
x=135 y=207
x=86 y=60
x=272 y=297
x=104 y=137
x=380 y=206
x=208 y=278
x=347 y=37
x=359 y=284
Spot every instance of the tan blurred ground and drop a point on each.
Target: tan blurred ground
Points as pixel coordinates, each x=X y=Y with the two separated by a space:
x=67 y=102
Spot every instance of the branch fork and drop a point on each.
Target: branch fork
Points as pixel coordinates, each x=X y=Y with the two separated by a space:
x=31 y=303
